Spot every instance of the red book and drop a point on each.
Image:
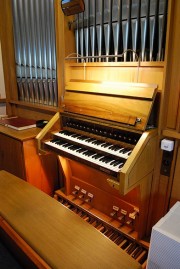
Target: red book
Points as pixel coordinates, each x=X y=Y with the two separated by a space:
x=18 y=123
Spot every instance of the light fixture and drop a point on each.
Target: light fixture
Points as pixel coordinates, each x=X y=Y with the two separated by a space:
x=72 y=7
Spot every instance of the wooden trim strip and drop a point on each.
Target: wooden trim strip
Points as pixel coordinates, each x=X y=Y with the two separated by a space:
x=171 y=133
x=34 y=105
x=45 y=130
x=132 y=90
x=117 y=64
x=31 y=254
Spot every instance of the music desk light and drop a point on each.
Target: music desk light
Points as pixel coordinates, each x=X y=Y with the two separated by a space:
x=72 y=7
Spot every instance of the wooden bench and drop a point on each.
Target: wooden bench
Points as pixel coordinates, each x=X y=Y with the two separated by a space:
x=51 y=235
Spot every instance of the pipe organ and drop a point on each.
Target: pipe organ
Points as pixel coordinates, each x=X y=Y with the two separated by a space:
x=106 y=147
x=107 y=136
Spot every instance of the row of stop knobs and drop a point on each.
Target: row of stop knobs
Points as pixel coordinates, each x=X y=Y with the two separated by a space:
x=103 y=132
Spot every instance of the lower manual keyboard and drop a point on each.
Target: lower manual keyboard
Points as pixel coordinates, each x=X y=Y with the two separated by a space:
x=105 y=163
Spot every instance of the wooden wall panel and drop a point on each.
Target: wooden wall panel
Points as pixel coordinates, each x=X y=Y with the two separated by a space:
x=121 y=72
x=6 y=36
x=173 y=69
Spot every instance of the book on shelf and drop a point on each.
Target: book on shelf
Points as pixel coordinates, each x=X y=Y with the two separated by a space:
x=18 y=123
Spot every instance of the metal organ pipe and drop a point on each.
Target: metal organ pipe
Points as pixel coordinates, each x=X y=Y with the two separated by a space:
x=35 y=53
x=118 y=26
x=108 y=30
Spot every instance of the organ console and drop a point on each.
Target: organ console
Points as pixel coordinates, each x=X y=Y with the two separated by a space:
x=106 y=145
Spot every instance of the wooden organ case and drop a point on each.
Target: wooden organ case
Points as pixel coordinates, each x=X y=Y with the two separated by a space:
x=106 y=149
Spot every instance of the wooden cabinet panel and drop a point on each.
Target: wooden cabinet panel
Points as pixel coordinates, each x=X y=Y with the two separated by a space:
x=11 y=156
x=41 y=170
x=19 y=156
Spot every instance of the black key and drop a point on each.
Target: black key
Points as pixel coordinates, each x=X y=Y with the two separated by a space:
x=106 y=159
x=65 y=132
x=116 y=162
x=97 y=142
x=74 y=135
x=116 y=148
x=83 y=137
x=74 y=147
x=94 y=142
x=121 y=165
x=89 y=153
x=60 y=143
x=70 y=147
x=125 y=150
x=67 y=145
x=97 y=156
x=55 y=140
x=90 y=139
x=129 y=152
x=112 y=147
x=81 y=150
x=106 y=145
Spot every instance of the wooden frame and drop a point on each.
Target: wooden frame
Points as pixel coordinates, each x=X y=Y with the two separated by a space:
x=27 y=250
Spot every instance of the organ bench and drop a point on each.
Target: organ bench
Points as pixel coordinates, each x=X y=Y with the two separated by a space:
x=49 y=234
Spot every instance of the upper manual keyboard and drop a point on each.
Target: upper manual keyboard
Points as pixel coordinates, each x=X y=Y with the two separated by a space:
x=116 y=150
